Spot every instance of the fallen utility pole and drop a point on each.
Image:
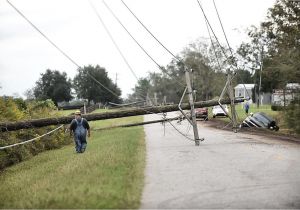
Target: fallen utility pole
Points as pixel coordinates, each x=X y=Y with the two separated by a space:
x=12 y=126
x=138 y=124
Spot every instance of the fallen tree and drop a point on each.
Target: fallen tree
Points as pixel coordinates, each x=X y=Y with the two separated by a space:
x=12 y=126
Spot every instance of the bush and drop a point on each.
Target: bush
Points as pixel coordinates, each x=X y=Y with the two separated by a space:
x=292 y=116
x=277 y=108
x=17 y=109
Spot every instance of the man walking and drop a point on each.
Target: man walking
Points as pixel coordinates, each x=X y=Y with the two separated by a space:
x=246 y=106
x=80 y=128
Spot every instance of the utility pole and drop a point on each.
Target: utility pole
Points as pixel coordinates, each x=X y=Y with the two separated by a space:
x=261 y=66
x=116 y=79
x=155 y=99
x=232 y=104
x=191 y=102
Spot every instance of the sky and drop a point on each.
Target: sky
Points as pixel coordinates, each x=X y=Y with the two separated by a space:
x=74 y=27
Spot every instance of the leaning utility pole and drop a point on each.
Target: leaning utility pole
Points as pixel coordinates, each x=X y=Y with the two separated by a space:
x=192 y=121
x=228 y=87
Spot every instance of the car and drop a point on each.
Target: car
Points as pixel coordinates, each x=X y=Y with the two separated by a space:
x=260 y=120
x=202 y=113
x=218 y=111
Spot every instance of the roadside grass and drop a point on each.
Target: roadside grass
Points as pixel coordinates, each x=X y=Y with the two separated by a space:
x=115 y=122
x=108 y=175
x=66 y=112
x=104 y=110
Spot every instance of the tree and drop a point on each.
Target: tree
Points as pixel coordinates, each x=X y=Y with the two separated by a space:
x=53 y=85
x=87 y=88
x=278 y=38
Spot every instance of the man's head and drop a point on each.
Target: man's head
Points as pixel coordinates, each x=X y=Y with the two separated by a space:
x=77 y=114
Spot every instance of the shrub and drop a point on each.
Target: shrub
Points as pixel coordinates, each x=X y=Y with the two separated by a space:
x=292 y=116
x=277 y=108
x=14 y=110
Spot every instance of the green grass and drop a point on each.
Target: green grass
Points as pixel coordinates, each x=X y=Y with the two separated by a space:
x=104 y=110
x=115 y=122
x=66 y=112
x=108 y=175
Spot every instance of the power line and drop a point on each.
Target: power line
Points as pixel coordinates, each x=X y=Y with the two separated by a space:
x=222 y=28
x=230 y=49
x=213 y=46
x=142 y=48
x=27 y=141
x=59 y=49
x=212 y=30
x=112 y=39
x=222 y=49
x=150 y=31
x=115 y=43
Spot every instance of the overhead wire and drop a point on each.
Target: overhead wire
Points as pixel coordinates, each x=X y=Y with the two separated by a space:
x=118 y=49
x=59 y=49
x=230 y=49
x=172 y=54
x=142 y=48
x=148 y=56
x=213 y=46
x=27 y=141
x=113 y=40
x=116 y=45
x=120 y=52
x=150 y=32
x=221 y=47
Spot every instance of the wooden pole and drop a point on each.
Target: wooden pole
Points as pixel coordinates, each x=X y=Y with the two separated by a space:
x=12 y=126
x=191 y=101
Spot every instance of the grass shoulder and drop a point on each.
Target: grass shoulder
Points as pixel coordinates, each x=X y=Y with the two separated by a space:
x=108 y=175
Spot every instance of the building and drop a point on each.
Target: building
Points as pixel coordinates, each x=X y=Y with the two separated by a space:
x=246 y=91
x=282 y=97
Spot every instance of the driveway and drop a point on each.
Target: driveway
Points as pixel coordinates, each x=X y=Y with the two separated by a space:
x=227 y=170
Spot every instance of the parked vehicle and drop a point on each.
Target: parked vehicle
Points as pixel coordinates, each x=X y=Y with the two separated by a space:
x=218 y=111
x=202 y=113
x=260 y=120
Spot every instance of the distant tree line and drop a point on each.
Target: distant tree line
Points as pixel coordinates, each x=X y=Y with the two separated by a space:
x=209 y=66
x=55 y=85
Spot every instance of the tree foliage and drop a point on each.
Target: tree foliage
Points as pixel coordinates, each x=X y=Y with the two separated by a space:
x=278 y=39
x=208 y=65
x=53 y=85
x=87 y=88
x=14 y=109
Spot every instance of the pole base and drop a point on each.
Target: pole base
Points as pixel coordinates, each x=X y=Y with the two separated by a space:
x=197 y=141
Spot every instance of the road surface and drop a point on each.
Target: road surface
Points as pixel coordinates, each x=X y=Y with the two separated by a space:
x=227 y=170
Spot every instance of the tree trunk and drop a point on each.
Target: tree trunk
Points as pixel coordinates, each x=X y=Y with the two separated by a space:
x=12 y=126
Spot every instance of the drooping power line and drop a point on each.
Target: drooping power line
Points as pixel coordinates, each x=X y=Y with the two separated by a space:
x=142 y=48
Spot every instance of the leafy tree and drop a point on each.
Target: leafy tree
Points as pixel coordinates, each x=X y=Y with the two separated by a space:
x=279 y=37
x=208 y=76
x=53 y=85
x=87 y=88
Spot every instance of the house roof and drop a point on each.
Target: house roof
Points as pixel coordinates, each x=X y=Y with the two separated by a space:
x=242 y=86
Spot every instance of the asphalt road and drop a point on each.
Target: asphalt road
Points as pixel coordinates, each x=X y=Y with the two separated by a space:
x=227 y=170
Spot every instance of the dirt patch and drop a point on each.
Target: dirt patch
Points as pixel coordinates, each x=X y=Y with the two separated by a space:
x=219 y=124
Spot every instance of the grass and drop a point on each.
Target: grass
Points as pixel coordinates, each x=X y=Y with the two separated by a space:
x=66 y=112
x=108 y=175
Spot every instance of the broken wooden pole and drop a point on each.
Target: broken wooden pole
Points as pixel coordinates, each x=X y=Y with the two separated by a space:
x=36 y=123
x=137 y=124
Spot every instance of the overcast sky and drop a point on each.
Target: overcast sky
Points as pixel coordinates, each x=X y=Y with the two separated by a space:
x=74 y=27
